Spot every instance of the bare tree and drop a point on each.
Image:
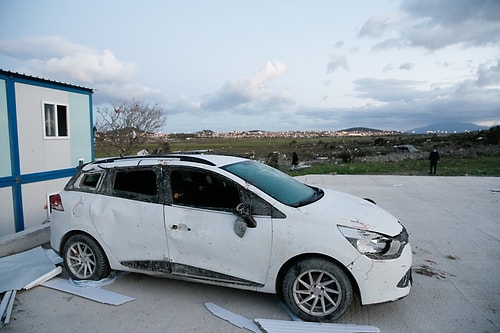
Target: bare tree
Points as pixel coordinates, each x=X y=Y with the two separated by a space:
x=128 y=125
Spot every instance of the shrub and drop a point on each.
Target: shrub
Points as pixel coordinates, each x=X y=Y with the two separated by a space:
x=346 y=156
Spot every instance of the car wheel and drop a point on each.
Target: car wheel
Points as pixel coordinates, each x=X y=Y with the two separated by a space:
x=317 y=290
x=85 y=259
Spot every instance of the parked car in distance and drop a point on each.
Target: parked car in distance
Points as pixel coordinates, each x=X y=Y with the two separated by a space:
x=234 y=222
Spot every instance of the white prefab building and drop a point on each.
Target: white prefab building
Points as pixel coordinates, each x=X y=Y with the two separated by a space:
x=45 y=132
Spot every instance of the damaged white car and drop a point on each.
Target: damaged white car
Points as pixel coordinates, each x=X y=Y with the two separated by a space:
x=233 y=222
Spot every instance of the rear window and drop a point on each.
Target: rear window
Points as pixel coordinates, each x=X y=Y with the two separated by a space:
x=87 y=182
x=90 y=180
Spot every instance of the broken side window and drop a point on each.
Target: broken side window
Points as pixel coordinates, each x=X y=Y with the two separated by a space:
x=200 y=188
x=87 y=182
x=90 y=180
x=259 y=206
x=136 y=184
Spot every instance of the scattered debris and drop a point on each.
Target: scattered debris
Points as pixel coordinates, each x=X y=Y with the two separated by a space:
x=303 y=165
x=429 y=271
x=6 y=307
x=232 y=317
x=93 y=293
x=102 y=282
x=259 y=325
x=53 y=273
x=274 y=326
x=36 y=267
x=20 y=270
x=24 y=270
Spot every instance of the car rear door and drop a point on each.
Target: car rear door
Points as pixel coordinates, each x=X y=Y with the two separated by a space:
x=200 y=223
x=129 y=217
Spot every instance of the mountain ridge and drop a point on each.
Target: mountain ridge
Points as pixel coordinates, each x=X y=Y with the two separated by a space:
x=447 y=127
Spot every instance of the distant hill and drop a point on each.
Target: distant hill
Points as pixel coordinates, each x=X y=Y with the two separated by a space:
x=448 y=127
x=361 y=130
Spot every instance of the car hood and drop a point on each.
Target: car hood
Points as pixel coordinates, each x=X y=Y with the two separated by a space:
x=351 y=211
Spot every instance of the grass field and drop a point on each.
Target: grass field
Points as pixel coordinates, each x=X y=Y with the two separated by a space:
x=478 y=166
x=472 y=160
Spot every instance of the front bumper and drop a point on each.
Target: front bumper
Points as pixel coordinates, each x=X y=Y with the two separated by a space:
x=383 y=280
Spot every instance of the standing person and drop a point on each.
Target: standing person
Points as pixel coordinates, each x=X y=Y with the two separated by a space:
x=434 y=159
x=295 y=161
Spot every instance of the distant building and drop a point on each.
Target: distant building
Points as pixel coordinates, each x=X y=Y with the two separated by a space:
x=45 y=130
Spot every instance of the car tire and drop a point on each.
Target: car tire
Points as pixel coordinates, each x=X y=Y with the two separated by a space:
x=317 y=290
x=84 y=259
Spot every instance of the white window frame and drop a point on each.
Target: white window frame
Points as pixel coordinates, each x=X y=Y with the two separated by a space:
x=55 y=120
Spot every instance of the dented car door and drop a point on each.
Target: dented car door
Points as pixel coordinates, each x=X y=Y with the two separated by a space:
x=202 y=241
x=129 y=217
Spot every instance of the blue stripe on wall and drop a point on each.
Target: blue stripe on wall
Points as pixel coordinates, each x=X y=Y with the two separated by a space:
x=14 y=155
x=37 y=177
x=47 y=175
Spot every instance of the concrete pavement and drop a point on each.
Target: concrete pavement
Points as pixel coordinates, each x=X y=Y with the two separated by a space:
x=454 y=231
x=24 y=240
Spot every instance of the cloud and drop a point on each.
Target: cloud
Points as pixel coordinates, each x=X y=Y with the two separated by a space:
x=489 y=75
x=387 y=90
x=388 y=68
x=395 y=104
x=335 y=63
x=407 y=66
x=379 y=26
x=43 y=48
x=390 y=104
x=117 y=92
x=88 y=67
x=250 y=94
x=339 y=45
x=59 y=59
x=435 y=24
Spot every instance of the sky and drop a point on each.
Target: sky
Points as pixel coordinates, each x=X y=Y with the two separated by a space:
x=273 y=65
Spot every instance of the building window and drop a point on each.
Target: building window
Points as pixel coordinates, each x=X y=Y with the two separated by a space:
x=56 y=120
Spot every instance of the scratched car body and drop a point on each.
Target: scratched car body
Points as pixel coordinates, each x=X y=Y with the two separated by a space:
x=233 y=222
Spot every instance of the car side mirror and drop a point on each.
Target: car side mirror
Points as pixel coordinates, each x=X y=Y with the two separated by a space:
x=243 y=211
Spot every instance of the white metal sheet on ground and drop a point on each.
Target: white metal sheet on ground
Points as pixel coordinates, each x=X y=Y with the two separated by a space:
x=8 y=311
x=283 y=326
x=95 y=294
x=4 y=304
x=18 y=270
x=233 y=318
x=56 y=271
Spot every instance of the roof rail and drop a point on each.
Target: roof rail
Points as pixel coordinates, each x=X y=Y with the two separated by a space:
x=181 y=157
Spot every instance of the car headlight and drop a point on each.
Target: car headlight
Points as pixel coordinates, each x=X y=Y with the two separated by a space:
x=375 y=245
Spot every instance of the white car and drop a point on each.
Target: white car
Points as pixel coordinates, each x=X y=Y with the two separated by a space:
x=233 y=222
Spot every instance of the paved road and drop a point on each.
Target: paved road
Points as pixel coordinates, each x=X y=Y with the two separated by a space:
x=454 y=228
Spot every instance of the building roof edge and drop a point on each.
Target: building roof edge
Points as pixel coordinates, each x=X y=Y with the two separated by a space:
x=39 y=79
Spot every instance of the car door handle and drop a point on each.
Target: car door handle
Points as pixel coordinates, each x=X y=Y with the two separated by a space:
x=180 y=226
